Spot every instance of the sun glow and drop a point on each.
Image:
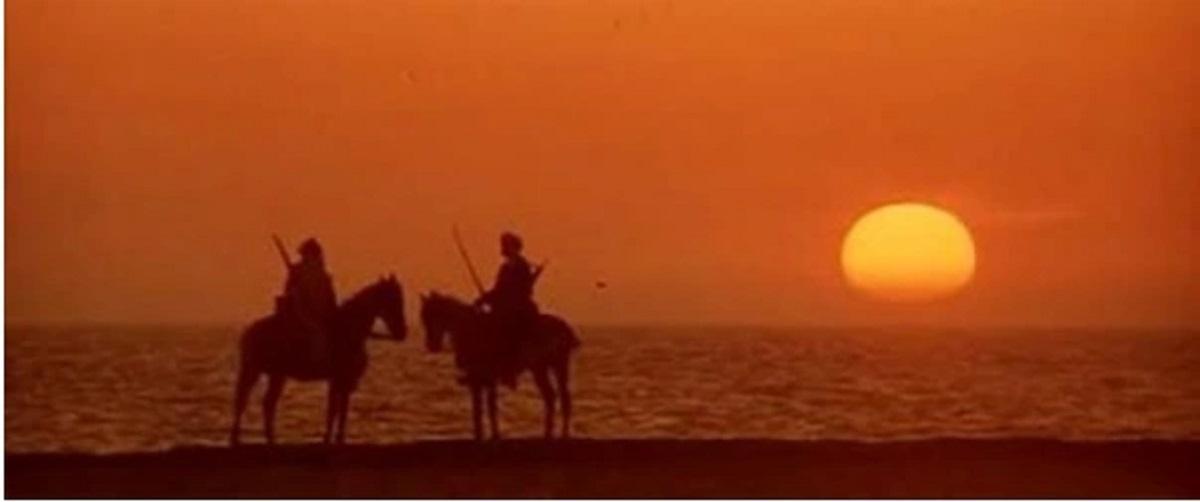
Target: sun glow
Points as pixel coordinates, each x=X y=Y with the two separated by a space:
x=908 y=252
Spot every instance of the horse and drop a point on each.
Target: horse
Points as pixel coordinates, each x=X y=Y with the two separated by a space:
x=479 y=354
x=271 y=346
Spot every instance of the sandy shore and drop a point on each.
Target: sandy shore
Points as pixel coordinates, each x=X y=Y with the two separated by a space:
x=632 y=468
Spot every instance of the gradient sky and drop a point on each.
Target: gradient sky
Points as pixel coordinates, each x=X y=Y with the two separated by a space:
x=703 y=158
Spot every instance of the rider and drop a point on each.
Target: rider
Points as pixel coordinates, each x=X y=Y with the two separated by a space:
x=309 y=297
x=511 y=303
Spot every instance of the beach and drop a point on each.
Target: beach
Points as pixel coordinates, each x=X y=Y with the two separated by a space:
x=586 y=468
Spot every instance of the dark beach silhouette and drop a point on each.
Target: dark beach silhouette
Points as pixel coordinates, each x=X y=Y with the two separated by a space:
x=949 y=468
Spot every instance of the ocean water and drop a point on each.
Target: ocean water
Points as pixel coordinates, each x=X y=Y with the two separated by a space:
x=145 y=388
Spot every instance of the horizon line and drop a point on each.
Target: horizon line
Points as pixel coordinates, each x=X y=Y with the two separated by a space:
x=669 y=325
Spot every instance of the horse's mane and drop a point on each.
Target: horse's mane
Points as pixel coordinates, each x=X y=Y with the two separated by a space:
x=361 y=295
x=478 y=349
x=353 y=305
x=448 y=300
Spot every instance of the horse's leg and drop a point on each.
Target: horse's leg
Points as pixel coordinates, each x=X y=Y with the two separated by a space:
x=542 y=379
x=343 y=410
x=270 y=400
x=491 y=404
x=247 y=377
x=476 y=412
x=330 y=411
x=562 y=373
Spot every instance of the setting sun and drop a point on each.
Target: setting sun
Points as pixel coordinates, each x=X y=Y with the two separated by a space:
x=278 y=248
x=908 y=253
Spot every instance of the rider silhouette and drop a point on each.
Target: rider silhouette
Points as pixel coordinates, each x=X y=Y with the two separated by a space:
x=511 y=304
x=310 y=301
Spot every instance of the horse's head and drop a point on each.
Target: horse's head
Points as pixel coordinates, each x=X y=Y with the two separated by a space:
x=390 y=302
x=438 y=315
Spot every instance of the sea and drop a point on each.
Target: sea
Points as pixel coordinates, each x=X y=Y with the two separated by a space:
x=136 y=388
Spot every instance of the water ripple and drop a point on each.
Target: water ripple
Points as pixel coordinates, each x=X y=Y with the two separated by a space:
x=110 y=389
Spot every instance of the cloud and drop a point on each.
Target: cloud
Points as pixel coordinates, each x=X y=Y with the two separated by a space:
x=1034 y=217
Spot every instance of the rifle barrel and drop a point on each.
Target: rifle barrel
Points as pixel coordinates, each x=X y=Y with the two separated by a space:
x=462 y=250
x=287 y=260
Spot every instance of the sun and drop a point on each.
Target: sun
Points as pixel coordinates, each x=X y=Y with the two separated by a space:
x=909 y=252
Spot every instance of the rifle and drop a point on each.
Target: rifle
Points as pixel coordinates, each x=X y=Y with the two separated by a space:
x=538 y=269
x=287 y=260
x=462 y=250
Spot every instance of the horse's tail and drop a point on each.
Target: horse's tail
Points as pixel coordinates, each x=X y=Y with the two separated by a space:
x=564 y=330
x=251 y=340
x=249 y=369
x=573 y=341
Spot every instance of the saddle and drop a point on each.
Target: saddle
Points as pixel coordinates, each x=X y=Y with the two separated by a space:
x=311 y=341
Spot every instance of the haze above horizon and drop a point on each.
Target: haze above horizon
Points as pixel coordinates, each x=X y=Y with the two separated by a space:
x=703 y=159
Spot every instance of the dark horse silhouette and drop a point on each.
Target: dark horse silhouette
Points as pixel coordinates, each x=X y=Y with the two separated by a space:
x=477 y=352
x=269 y=346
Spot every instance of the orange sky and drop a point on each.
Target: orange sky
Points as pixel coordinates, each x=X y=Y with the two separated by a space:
x=703 y=158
